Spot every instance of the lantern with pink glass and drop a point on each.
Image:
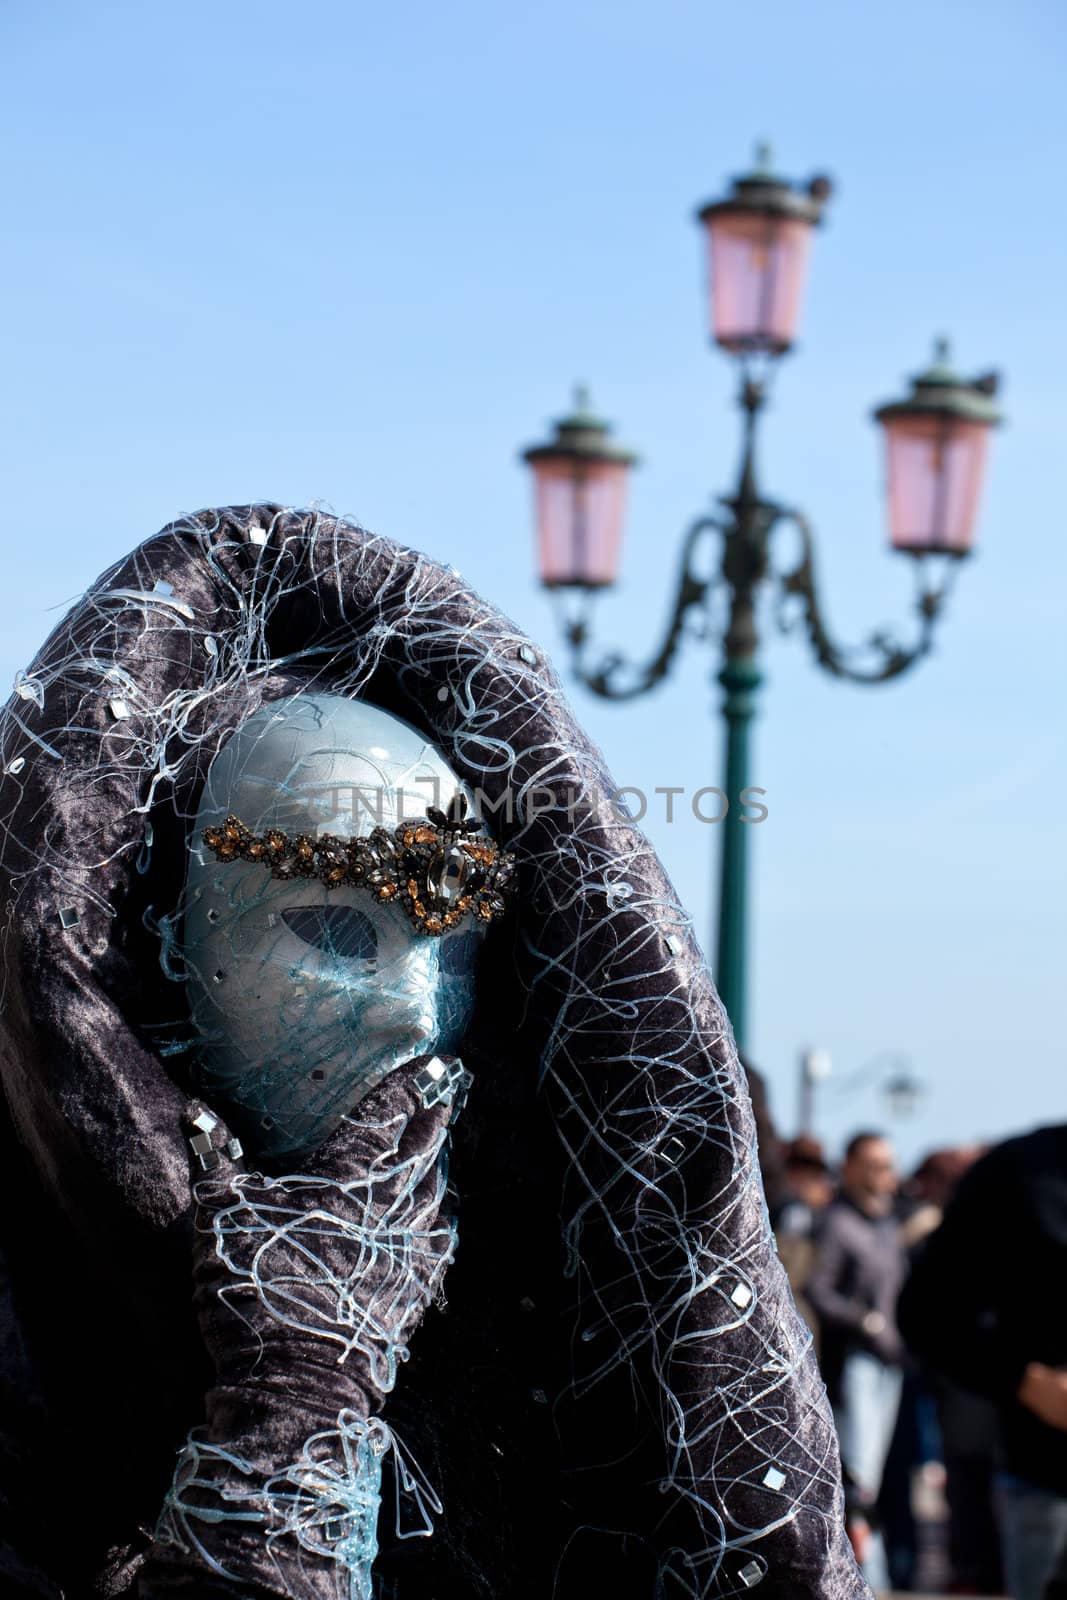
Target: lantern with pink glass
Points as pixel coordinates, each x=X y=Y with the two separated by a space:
x=580 y=478
x=757 y=242
x=936 y=441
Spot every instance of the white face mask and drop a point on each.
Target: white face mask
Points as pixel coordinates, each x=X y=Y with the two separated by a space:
x=306 y=997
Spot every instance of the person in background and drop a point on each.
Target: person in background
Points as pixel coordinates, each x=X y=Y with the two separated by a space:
x=969 y=1427
x=809 y=1184
x=808 y=1190
x=984 y=1305
x=944 y=1434
x=929 y=1189
x=768 y=1145
x=853 y=1287
x=1056 y=1588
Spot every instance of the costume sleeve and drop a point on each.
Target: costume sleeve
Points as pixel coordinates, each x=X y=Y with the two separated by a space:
x=307 y=1288
x=947 y=1313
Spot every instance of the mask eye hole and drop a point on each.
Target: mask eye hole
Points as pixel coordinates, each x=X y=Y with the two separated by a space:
x=339 y=931
x=459 y=953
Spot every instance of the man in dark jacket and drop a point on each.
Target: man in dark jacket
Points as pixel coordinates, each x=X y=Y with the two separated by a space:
x=853 y=1288
x=984 y=1306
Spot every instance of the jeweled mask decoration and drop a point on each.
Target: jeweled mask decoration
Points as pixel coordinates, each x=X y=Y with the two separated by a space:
x=441 y=868
x=337 y=896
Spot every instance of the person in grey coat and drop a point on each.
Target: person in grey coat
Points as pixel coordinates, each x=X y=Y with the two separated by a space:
x=853 y=1287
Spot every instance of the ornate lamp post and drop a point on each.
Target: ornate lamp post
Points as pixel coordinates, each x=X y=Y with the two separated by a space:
x=758 y=241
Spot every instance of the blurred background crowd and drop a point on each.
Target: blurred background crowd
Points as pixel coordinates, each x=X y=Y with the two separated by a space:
x=934 y=1300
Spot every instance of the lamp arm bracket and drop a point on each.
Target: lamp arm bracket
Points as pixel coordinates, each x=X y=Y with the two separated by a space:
x=614 y=677
x=881 y=656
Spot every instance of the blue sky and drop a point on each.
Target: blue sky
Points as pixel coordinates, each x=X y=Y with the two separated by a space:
x=360 y=254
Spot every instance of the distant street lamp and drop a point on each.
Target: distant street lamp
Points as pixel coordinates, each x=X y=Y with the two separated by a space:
x=758 y=242
x=902 y=1091
x=815 y=1068
x=889 y=1072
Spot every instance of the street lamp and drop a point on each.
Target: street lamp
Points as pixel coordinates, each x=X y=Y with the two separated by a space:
x=889 y=1071
x=758 y=242
x=902 y=1091
x=936 y=443
x=815 y=1068
x=580 y=482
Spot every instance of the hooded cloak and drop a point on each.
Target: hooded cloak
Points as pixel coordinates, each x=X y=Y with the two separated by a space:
x=619 y=1386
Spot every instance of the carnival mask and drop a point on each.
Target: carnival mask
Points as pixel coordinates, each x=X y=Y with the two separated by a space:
x=337 y=896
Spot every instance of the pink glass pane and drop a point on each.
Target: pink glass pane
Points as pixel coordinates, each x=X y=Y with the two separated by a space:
x=579 y=519
x=935 y=468
x=758 y=265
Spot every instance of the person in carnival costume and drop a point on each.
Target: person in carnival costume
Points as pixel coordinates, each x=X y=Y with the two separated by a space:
x=383 y=1211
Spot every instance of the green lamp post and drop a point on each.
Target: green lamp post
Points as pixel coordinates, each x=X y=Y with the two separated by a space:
x=936 y=439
